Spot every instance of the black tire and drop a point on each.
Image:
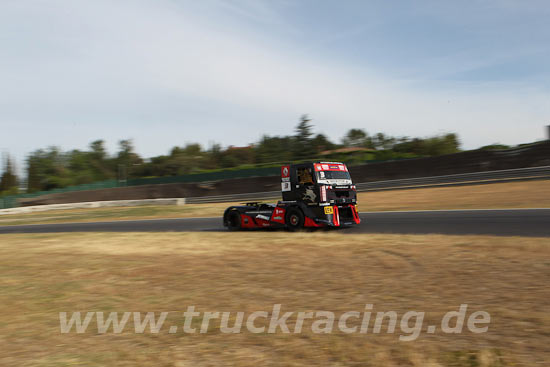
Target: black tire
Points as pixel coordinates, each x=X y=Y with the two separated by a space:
x=233 y=220
x=294 y=219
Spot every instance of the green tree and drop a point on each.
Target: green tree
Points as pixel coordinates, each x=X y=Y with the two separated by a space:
x=272 y=149
x=383 y=141
x=80 y=168
x=8 y=181
x=48 y=169
x=127 y=160
x=321 y=143
x=355 y=138
x=495 y=146
x=98 y=161
x=303 y=147
x=98 y=151
x=433 y=146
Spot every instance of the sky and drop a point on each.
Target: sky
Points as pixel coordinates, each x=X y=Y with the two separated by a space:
x=169 y=72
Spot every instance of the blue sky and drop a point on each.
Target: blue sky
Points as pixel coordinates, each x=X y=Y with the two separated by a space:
x=169 y=72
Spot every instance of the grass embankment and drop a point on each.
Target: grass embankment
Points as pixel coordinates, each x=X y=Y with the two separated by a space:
x=528 y=194
x=45 y=274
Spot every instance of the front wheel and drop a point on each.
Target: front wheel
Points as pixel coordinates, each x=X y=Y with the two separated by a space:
x=294 y=219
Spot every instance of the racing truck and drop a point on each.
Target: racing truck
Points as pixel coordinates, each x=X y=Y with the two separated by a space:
x=315 y=195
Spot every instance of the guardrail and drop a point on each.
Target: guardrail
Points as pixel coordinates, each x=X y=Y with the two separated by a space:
x=93 y=204
x=520 y=174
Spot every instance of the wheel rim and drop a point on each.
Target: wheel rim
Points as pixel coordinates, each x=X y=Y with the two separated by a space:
x=294 y=219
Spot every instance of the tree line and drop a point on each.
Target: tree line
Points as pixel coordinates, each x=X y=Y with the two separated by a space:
x=52 y=168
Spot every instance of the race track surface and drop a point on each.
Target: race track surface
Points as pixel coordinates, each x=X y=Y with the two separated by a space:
x=509 y=222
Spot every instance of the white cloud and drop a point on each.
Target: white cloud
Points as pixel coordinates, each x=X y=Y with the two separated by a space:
x=167 y=73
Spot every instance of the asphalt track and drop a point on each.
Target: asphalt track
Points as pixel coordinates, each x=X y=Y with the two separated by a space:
x=505 y=222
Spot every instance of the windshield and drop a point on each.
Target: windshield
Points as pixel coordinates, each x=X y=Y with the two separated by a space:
x=334 y=175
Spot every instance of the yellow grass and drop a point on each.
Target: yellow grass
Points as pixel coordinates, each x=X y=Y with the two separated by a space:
x=528 y=194
x=44 y=274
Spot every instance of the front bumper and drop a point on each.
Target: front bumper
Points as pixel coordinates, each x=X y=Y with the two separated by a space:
x=341 y=215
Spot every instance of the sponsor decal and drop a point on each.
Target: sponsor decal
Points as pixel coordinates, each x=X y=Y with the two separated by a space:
x=323 y=192
x=285 y=171
x=330 y=167
x=329 y=210
x=285 y=186
x=309 y=195
x=278 y=215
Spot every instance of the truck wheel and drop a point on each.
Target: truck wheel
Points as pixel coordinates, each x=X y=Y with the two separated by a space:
x=233 y=221
x=294 y=219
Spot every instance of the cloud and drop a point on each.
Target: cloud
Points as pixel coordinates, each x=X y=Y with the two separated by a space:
x=166 y=73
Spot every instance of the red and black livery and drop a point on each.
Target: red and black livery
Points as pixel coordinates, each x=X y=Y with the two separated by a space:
x=319 y=194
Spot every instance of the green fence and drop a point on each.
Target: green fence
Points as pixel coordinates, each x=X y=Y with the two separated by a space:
x=12 y=201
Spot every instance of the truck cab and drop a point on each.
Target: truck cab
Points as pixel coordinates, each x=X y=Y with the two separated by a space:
x=323 y=191
x=317 y=194
x=318 y=183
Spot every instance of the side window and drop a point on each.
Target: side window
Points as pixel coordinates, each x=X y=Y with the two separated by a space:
x=304 y=176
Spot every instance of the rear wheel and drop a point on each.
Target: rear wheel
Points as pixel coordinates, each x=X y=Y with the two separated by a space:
x=233 y=220
x=294 y=219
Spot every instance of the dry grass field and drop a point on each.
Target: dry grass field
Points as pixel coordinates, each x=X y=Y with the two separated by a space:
x=42 y=275
x=528 y=194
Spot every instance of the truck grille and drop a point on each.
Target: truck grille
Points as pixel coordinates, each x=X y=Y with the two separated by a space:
x=341 y=193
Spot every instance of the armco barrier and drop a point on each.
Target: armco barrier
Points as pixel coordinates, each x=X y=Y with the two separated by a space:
x=93 y=204
x=252 y=196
